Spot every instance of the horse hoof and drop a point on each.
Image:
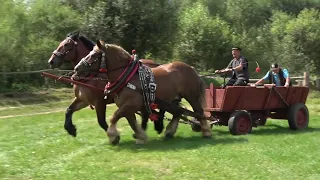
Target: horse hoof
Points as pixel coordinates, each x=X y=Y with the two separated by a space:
x=207 y=135
x=74 y=133
x=115 y=141
x=141 y=141
x=134 y=136
x=71 y=130
x=159 y=130
x=169 y=136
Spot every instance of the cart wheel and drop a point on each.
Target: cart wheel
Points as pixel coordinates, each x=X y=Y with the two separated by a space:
x=196 y=127
x=240 y=123
x=298 y=116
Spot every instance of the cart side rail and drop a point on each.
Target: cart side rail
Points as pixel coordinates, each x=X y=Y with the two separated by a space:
x=253 y=98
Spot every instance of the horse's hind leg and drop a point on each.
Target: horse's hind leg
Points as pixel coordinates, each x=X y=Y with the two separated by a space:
x=76 y=105
x=206 y=130
x=101 y=115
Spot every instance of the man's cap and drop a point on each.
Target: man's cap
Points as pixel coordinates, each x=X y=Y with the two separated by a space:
x=274 y=65
x=236 y=48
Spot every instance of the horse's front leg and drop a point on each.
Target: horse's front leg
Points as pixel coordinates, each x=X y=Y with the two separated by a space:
x=76 y=105
x=158 y=124
x=144 y=121
x=140 y=135
x=172 y=126
x=128 y=112
x=100 y=108
x=112 y=132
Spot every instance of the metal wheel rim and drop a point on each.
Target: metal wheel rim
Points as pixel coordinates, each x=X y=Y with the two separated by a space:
x=243 y=125
x=301 y=118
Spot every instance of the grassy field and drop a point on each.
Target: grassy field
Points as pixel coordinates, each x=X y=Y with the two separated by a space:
x=34 y=145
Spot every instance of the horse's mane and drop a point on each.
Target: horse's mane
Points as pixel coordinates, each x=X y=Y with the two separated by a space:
x=116 y=50
x=86 y=41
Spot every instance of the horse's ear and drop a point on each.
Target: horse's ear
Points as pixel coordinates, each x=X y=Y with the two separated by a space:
x=102 y=42
x=99 y=44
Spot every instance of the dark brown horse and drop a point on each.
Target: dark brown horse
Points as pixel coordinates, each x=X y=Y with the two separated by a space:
x=72 y=50
x=173 y=80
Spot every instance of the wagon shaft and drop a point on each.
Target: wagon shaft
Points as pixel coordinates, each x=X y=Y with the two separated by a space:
x=67 y=80
x=174 y=108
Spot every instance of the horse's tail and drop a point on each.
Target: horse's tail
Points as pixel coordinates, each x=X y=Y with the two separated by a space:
x=202 y=90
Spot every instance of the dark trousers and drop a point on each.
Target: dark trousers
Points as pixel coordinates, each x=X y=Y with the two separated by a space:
x=236 y=82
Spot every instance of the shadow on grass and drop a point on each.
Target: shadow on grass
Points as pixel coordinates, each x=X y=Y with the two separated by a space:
x=177 y=143
x=274 y=129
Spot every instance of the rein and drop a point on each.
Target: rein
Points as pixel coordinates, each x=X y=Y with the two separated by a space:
x=91 y=77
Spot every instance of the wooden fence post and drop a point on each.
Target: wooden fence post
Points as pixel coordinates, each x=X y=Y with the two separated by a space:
x=305 y=79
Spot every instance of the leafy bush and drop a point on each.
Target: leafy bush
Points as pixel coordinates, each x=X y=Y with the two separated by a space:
x=214 y=81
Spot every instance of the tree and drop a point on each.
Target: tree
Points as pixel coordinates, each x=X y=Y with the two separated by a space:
x=296 y=40
x=203 y=41
x=304 y=34
x=247 y=14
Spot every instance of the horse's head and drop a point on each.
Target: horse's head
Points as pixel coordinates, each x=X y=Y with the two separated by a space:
x=71 y=49
x=103 y=58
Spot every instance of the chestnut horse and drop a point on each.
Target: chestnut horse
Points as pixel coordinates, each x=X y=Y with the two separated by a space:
x=72 y=50
x=175 y=79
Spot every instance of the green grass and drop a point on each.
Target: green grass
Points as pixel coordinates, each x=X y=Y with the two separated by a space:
x=35 y=102
x=215 y=81
x=313 y=102
x=19 y=99
x=37 y=147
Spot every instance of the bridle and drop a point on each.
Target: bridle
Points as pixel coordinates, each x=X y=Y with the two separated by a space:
x=62 y=55
x=103 y=66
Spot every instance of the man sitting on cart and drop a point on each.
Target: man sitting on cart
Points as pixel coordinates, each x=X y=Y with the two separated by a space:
x=239 y=68
x=277 y=76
